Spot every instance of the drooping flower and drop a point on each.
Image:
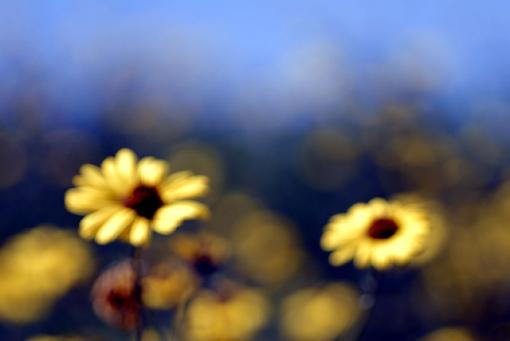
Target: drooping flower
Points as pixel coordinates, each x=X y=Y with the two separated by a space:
x=114 y=296
x=126 y=198
x=380 y=234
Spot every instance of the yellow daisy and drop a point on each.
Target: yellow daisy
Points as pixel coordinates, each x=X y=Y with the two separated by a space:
x=379 y=233
x=231 y=313
x=126 y=198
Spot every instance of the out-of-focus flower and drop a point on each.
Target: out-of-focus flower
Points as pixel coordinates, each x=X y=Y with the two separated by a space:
x=196 y=258
x=319 y=313
x=203 y=252
x=167 y=284
x=231 y=313
x=379 y=234
x=125 y=198
x=38 y=267
x=266 y=247
x=449 y=334
x=114 y=296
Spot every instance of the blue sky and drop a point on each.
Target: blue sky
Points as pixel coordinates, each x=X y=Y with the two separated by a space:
x=238 y=41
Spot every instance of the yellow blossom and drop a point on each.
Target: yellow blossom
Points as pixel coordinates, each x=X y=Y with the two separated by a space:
x=380 y=234
x=126 y=198
x=231 y=314
x=319 y=313
x=36 y=268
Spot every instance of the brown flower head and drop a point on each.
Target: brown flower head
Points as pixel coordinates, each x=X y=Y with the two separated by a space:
x=115 y=297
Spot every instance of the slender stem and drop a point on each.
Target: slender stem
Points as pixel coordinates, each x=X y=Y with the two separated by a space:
x=136 y=257
x=370 y=287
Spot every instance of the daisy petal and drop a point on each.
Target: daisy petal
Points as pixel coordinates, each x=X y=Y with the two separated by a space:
x=341 y=256
x=169 y=217
x=90 y=175
x=362 y=257
x=114 y=226
x=83 y=200
x=113 y=178
x=185 y=187
x=140 y=232
x=125 y=161
x=152 y=171
x=93 y=221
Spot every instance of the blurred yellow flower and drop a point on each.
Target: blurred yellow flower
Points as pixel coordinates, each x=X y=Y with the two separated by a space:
x=449 y=334
x=379 y=234
x=167 y=284
x=319 y=313
x=36 y=268
x=126 y=198
x=266 y=247
x=195 y=257
x=203 y=252
x=231 y=314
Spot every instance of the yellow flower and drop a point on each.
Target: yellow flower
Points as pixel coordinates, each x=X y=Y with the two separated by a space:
x=319 y=313
x=38 y=267
x=257 y=232
x=379 y=234
x=125 y=198
x=231 y=314
x=204 y=252
x=167 y=284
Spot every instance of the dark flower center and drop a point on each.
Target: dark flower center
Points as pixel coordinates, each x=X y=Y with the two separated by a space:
x=144 y=200
x=204 y=265
x=120 y=300
x=382 y=228
x=124 y=307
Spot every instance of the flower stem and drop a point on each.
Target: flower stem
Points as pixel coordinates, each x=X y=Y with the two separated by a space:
x=136 y=258
x=370 y=287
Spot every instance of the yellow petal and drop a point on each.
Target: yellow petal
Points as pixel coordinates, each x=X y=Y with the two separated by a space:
x=380 y=260
x=92 y=222
x=362 y=257
x=185 y=187
x=114 y=226
x=152 y=171
x=169 y=217
x=126 y=165
x=83 y=200
x=113 y=178
x=140 y=231
x=90 y=175
x=341 y=256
